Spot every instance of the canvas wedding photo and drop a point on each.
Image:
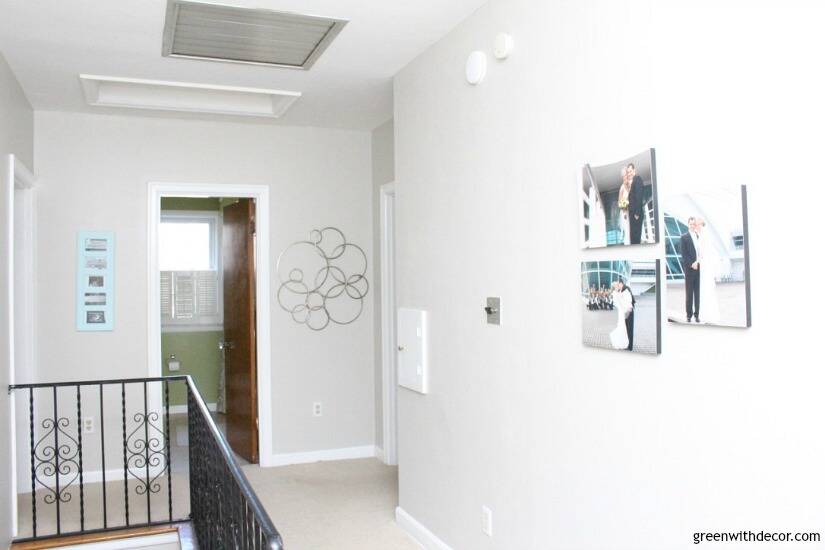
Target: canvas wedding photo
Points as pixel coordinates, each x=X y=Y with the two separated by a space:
x=619 y=203
x=621 y=305
x=706 y=244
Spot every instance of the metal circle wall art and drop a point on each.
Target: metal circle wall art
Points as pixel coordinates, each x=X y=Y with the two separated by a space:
x=335 y=293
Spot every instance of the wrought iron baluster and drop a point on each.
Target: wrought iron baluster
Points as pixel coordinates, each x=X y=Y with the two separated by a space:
x=103 y=455
x=56 y=459
x=146 y=448
x=168 y=452
x=245 y=524
x=193 y=470
x=80 y=459
x=251 y=527
x=237 y=508
x=214 y=484
x=209 y=481
x=31 y=453
x=230 y=512
x=125 y=463
x=210 y=485
x=226 y=513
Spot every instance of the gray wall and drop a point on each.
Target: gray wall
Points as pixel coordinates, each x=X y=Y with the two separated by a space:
x=576 y=448
x=94 y=172
x=16 y=136
x=383 y=171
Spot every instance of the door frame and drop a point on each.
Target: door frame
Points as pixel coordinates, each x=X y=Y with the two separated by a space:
x=262 y=291
x=389 y=369
x=17 y=178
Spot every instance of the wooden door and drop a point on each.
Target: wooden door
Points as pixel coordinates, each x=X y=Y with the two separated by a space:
x=238 y=253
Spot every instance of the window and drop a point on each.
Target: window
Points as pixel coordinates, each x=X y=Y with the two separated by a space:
x=190 y=270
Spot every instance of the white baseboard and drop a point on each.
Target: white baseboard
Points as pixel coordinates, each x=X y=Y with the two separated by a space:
x=417 y=531
x=379 y=454
x=91 y=476
x=347 y=453
x=181 y=409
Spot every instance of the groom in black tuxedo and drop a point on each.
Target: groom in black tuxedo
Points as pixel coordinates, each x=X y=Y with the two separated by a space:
x=635 y=204
x=689 y=248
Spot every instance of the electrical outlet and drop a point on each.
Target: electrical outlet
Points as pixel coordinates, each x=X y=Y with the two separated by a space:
x=487 y=521
x=317 y=410
x=88 y=425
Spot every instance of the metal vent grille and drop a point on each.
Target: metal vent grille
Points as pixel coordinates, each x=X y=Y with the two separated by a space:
x=213 y=32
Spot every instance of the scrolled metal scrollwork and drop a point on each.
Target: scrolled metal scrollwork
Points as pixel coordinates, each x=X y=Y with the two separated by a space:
x=55 y=458
x=146 y=452
x=318 y=302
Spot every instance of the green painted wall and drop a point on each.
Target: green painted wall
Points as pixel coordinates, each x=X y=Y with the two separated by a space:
x=189 y=203
x=199 y=356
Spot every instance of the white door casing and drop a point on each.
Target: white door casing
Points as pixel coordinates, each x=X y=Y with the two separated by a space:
x=388 y=326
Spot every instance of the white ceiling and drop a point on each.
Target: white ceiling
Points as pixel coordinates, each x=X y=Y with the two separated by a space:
x=48 y=43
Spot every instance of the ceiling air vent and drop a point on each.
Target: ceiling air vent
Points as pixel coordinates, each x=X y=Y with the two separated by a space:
x=213 y=32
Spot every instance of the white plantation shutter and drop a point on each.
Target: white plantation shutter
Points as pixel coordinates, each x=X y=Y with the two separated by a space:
x=165 y=296
x=190 y=298
x=184 y=296
x=206 y=283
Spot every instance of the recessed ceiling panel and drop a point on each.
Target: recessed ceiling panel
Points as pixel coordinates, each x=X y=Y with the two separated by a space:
x=244 y=35
x=108 y=91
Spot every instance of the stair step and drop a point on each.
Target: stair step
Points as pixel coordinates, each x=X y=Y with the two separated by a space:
x=91 y=538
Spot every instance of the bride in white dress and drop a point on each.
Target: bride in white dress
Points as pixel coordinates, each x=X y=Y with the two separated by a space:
x=623 y=303
x=624 y=203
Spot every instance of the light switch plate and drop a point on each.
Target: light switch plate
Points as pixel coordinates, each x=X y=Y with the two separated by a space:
x=493 y=310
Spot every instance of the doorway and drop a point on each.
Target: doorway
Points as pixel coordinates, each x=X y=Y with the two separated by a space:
x=209 y=258
x=388 y=328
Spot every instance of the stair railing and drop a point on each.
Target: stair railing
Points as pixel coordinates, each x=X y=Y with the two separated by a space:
x=73 y=492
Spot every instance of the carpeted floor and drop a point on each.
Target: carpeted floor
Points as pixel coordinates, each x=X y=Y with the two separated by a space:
x=348 y=504
x=342 y=505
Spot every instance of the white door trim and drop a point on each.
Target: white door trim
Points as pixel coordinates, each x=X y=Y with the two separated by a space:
x=388 y=335
x=16 y=177
x=261 y=195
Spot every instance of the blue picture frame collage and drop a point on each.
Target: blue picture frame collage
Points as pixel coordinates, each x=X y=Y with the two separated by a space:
x=95 y=281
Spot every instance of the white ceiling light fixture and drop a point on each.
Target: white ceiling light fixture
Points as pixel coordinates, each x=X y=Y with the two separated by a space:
x=215 y=32
x=134 y=93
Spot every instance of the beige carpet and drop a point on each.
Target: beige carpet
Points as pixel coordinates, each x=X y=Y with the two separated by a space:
x=342 y=505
